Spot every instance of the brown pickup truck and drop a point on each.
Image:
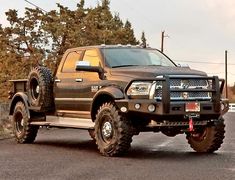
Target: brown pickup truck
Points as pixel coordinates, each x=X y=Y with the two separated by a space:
x=116 y=92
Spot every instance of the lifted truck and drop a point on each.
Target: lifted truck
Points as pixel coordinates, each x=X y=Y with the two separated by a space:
x=116 y=92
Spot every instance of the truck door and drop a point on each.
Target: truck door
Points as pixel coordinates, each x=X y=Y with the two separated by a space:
x=67 y=89
x=90 y=80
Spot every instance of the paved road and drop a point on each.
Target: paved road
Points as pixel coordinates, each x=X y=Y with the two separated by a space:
x=70 y=154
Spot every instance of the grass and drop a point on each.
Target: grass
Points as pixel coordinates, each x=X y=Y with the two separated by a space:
x=5 y=129
x=1 y=130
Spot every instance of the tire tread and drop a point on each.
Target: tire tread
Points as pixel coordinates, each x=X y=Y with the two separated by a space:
x=214 y=142
x=124 y=133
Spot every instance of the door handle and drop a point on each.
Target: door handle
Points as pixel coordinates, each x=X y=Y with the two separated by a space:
x=79 y=80
x=57 y=80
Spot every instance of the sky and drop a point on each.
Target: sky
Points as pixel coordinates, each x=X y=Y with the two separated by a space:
x=198 y=32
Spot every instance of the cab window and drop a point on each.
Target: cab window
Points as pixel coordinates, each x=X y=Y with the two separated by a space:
x=92 y=57
x=70 y=62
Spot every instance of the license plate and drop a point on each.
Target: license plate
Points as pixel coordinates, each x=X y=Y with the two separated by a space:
x=192 y=107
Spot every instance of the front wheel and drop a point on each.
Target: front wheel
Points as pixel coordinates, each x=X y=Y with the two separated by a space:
x=112 y=131
x=208 y=139
x=23 y=132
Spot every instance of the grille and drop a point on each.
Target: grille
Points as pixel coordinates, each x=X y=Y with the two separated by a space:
x=190 y=82
x=185 y=84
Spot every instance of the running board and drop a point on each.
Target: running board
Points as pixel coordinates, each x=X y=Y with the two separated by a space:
x=55 y=121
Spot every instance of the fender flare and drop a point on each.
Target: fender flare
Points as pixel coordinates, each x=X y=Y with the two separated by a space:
x=112 y=91
x=20 y=96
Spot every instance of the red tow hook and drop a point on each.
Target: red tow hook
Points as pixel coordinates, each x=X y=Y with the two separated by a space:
x=191 y=128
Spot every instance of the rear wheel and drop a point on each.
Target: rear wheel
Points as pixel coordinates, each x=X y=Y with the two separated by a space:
x=208 y=139
x=92 y=133
x=113 y=133
x=23 y=132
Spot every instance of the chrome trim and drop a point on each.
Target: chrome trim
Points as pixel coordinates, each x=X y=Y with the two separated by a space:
x=190 y=87
x=152 y=90
x=79 y=80
x=107 y=129
x=73 y=99
x=185 y=84
x=189 y=98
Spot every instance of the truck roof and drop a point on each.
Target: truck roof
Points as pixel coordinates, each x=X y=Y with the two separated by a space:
x=103 y=46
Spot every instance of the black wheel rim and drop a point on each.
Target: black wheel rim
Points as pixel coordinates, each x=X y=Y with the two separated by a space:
x=200 y=136
x=19 y=123
x=34 y=88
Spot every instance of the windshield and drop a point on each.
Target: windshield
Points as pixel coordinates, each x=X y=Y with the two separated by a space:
x=121 y=57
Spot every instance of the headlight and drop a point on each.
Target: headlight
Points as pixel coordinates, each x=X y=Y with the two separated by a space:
x=139 y=88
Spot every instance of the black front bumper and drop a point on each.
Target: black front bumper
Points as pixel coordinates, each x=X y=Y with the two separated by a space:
x=175 y=109
x=167 y=109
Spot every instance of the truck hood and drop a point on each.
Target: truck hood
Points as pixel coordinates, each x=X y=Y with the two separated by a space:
x=153 y=71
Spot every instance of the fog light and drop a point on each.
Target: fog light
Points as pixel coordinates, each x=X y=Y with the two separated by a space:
x=151 y=108
x=123 y=109
x=137 y=106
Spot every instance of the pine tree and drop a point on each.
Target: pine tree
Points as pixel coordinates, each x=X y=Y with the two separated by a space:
x=129 y=34
x=40 y=37
x=144 y=41
x=81 y=4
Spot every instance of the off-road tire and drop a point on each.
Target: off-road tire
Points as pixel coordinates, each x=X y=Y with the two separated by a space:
x=121 y=135
x=40 y=88
x=210 y=139
x=23 y=132
x=92 y=133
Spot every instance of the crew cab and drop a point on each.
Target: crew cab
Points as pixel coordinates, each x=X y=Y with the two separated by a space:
x=116 y=92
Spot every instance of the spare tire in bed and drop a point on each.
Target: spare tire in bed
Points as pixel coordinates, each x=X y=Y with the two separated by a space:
x=40 y=88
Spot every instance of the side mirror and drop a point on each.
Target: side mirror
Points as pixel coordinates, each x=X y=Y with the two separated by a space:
x=83 y=63
x=85 y=66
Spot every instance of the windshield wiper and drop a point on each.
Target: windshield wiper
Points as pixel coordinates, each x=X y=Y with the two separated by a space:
x=124 y=65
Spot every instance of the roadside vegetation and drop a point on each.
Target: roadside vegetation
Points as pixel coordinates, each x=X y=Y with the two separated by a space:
x=5 y=128
x=231 y=94
x=42 y=37
x=5 y=125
